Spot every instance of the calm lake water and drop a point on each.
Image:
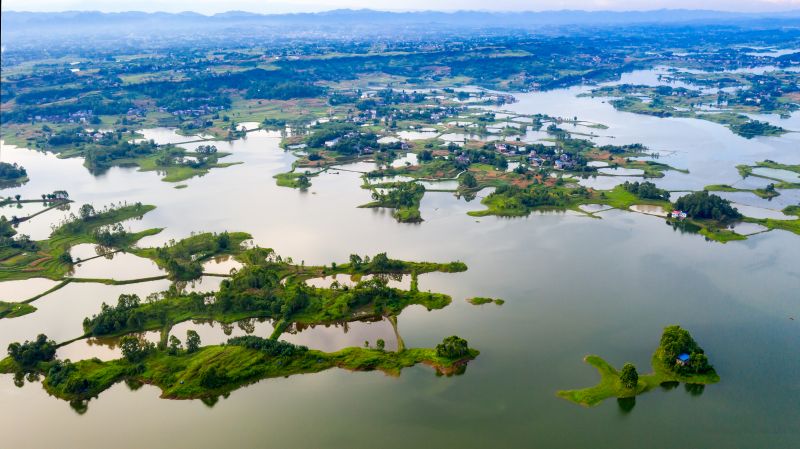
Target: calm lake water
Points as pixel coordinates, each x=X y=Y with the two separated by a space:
x=573 y=286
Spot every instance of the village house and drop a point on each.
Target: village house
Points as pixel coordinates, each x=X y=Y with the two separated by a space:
x=678 y=214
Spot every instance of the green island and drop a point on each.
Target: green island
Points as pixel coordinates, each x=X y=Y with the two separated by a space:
x=510 y=201
x=678 y=358
x=183 y=260
x=769 y=191
x=267 y=286
x=12 y=175
x=747 y=170
x=211 y=371
x=725 y=109
x=479 y=300
x=403 y=197
x=101 y=150
x=23 y=258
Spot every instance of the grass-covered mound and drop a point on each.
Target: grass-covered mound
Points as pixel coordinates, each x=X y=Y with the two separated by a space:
x=668 y=366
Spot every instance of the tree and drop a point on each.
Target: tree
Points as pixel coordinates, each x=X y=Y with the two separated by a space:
x=86 y=211
x=355 y=260
x=629 y=377
x=468 y=180
x=134 y=348
x=192 y=341
x=380 y=344
x=174 y=345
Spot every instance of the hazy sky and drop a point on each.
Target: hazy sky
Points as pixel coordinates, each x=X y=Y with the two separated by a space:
x=262 y=6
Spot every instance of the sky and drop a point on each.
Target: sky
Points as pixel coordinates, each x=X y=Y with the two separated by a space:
x=264 y=6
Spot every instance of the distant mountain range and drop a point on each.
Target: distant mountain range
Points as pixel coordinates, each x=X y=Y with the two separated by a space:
x=22 y=26
x=471 y=18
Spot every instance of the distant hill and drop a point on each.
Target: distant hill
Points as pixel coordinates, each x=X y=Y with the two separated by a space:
x=27 y=26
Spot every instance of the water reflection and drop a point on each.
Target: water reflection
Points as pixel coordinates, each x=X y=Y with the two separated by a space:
x=546 y=265
x=626 y=405
x=695 y=389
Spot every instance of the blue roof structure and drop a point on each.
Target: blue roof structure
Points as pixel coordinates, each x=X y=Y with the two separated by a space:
x=683 y=357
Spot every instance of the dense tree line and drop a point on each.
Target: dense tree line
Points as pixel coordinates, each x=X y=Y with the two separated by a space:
x=273 y=348
x=113 y=319
x=535 y=196
x=94 y=104
x=646 y=190
x=707 y=205
x=10 y=172
x=271 y=90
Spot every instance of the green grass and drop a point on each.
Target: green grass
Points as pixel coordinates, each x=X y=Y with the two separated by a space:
x=610 y=386
x=785 y=225
x=778 y=166
x=294 y=179
x=721 y=188
x=792 y=210
x=15 y=309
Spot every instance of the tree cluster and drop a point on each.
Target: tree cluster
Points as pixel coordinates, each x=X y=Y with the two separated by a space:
x=706 y=205
x=30 y=353
x=452 y=348
x=646 y=190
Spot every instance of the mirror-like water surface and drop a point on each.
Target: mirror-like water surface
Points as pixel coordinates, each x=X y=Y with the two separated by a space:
x=573 y=285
